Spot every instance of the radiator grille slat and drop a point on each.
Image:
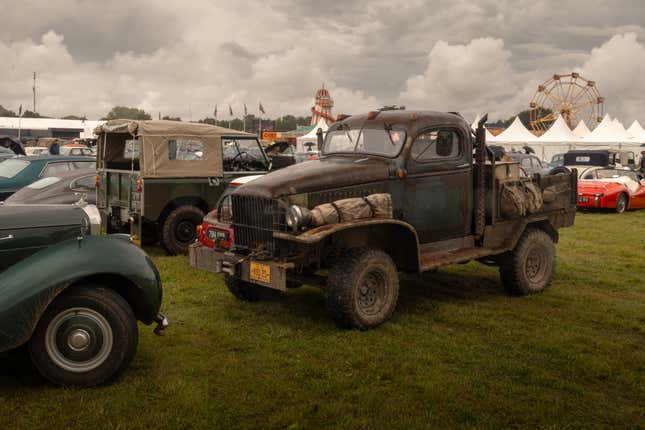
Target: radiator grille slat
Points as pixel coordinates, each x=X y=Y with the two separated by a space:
x=254 y=220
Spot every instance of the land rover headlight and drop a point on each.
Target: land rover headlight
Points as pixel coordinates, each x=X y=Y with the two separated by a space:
x=297 y=217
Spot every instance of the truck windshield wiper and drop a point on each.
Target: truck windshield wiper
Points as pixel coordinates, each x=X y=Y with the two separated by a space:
x=346 y=128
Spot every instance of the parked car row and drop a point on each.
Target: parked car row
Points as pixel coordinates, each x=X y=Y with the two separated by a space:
x=389 y=192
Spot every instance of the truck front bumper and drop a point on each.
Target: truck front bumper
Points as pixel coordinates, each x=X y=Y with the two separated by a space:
x=267 y=273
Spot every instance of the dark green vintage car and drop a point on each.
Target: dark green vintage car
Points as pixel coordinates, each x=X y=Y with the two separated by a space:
x=73 y=297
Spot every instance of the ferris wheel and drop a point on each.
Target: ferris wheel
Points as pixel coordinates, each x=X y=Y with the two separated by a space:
x=570 y=96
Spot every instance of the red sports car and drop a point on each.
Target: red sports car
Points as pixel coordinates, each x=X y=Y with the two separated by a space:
x=611 y=189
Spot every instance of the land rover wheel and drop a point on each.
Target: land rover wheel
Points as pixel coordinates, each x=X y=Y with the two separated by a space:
x=621 y=203
x=529 y=268
x=179 y=229
x=87 y=337
x=247 y=291
x=362 y=288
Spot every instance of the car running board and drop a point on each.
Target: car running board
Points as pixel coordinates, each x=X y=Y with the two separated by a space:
x=432 y=259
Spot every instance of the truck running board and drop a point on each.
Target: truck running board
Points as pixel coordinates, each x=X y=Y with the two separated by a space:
x=432 y=259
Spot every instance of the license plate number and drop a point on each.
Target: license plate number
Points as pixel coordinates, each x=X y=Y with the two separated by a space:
x=260 y=272
x=583 y=199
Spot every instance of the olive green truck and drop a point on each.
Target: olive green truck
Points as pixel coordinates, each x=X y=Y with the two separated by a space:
x=157 y=179
x=393 y=191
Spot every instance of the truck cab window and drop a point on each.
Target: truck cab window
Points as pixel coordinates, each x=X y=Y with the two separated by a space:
x=436 y=145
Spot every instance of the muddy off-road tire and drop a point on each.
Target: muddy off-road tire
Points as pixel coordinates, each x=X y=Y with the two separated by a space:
x=86 y=337
x=362 y=288
x=248 y=291
x=179 y=229
x=529 y=268
x=621 y=203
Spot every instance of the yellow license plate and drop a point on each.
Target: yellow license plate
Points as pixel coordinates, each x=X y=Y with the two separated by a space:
x=260 y=272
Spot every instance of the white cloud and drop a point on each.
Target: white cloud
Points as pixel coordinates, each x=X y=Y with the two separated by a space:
x=618 y=67
x=182 y=58
x=475 y=77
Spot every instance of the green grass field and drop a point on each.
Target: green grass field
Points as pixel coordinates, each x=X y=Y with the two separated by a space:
x=459 y=352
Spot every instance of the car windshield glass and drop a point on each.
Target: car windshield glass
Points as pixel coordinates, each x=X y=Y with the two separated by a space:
x=609 y=173
x=44 y=182
x=376 y=141
x=12 y=167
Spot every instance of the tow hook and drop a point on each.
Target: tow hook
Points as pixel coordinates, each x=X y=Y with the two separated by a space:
x=162 y=324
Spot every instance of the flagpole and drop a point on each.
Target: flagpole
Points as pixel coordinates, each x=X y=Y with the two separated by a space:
x=19 y=121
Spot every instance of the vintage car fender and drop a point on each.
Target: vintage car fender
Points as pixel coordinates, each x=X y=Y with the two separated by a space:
x=28 y=287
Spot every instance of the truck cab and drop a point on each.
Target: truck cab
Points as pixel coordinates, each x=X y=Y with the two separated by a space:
x=393 y=191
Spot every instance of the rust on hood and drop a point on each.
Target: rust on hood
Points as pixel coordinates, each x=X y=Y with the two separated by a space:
x=315 y=175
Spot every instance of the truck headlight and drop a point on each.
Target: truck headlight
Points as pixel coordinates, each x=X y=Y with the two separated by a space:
x=297 y=217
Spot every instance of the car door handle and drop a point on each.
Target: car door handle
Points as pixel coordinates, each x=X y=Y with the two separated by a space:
x=7 y=237
x=461 y=166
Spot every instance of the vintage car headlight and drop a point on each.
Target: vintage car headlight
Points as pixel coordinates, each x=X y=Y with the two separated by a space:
x=94 y=217
x=297 y=217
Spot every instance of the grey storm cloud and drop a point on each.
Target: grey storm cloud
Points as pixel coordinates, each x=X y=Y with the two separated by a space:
x=179 y=58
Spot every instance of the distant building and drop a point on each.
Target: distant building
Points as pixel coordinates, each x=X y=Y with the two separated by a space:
x=322 y=107
x=47 y=127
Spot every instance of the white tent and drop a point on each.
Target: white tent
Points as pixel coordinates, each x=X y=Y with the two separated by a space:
x=636 y=133
x=516 y=133
x=558 y=132
x=304 y=143
x=556 y=140
x=604 y=132
x=619 y=130
x=581 y=129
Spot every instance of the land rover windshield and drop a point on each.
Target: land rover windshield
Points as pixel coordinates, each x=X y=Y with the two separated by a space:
x=373 y=141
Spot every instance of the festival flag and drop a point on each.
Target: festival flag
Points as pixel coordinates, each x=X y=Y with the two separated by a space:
x=20 y=111
x=230 y=110
x=246 y=111
x=215 y=112
x=261 y=108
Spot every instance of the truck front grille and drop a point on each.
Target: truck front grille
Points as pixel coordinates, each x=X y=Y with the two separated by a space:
x=254 y=221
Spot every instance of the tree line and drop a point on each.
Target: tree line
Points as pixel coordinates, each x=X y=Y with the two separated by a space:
x=250 y=122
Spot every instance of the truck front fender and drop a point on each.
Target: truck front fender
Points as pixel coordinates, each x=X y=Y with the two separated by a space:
x=28 y=287
x=396 y=237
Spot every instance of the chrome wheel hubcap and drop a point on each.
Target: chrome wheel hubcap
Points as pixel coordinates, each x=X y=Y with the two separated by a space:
x=79 y=340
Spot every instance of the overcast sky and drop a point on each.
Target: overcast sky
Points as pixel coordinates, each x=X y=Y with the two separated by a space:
x=183 y=57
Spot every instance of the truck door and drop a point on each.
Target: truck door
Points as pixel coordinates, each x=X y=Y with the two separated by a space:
x=438 y=185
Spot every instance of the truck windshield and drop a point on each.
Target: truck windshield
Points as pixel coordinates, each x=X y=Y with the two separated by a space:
x=10 y=168
x=375 y=141
x=242 y=154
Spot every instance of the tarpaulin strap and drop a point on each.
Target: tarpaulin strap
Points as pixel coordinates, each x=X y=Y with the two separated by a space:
x=337 y=211
x=371 y=206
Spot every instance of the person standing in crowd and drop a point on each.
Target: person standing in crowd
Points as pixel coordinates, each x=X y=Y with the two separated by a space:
x=642 y=163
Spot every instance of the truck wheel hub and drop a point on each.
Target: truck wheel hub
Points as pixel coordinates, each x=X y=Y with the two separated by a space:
x=372 y=292
x=185 y=231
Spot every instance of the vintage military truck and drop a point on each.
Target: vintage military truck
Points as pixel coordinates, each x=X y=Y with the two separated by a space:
x=392 y=192
x=157 y=179
x=72 y=296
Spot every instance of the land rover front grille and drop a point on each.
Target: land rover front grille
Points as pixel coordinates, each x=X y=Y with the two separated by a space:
x=254 y=221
